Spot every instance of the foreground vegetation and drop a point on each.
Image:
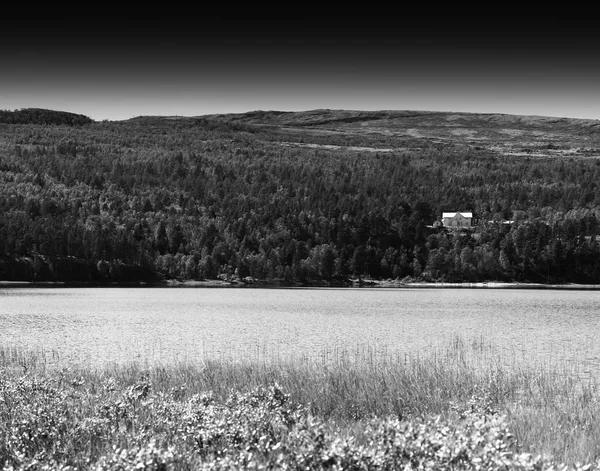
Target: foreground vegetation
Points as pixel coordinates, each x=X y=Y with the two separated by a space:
x=459 y=408
x=298 y=197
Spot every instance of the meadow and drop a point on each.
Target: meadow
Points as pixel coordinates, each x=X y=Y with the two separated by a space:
x=458 y=407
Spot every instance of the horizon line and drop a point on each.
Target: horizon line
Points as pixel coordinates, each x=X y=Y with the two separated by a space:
x=356 y=110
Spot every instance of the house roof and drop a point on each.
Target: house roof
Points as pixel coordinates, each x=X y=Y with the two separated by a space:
x=451 y=215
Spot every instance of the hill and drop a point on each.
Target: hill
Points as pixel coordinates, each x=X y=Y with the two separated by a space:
x=301 y=197
x=43 y=116
x=505 y=134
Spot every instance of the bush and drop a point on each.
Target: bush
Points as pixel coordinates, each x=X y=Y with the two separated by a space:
x=69 y=422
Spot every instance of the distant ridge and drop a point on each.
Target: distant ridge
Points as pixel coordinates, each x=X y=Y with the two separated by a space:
x=43 y=116
x=504 y=134
x=325 y=116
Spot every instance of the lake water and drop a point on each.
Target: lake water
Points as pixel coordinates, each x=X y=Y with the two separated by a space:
x=96 y=326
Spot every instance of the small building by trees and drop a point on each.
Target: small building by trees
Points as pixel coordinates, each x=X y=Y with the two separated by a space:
x=457 y=220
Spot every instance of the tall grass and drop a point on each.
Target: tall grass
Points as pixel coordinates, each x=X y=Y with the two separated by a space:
x=550 y=410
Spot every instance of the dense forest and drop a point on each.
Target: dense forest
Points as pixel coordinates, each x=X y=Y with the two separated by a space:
x=308 y=197
x=42 y=116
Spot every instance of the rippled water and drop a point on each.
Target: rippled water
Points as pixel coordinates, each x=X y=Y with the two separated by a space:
x=162 y=325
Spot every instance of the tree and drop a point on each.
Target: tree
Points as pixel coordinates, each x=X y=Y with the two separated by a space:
x=327 y=265
x=359 y=258
x=161 y=240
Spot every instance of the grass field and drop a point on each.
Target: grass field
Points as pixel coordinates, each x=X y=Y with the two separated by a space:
x=461 y=407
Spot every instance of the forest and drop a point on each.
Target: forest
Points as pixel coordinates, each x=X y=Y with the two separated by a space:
x=298 y=198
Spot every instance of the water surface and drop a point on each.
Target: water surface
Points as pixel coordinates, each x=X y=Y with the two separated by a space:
x=95 y=326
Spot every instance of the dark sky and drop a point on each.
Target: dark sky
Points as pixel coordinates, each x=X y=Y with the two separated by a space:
x=120 y=67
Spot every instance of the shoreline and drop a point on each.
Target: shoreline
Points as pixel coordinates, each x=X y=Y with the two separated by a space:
x=353 y=284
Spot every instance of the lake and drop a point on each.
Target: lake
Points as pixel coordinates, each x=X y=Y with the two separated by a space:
x=98 y=326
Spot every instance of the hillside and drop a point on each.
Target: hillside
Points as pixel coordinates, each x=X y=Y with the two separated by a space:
x=506 y=134
x=42 y=116
x=301 y=197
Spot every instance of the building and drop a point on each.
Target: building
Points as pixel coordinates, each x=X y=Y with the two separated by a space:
x=457 y=220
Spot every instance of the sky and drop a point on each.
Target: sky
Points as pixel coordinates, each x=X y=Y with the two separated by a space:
x=117 y=68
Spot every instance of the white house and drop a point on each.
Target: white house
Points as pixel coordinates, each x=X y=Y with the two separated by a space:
x=457 y=220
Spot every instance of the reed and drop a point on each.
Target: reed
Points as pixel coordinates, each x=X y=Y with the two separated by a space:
x=552 y=412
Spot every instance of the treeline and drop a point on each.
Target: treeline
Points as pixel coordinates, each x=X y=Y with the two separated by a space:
x=199 y=199
x=42 y=116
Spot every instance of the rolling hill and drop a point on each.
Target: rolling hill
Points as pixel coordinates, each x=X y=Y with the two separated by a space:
x=300 y=197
